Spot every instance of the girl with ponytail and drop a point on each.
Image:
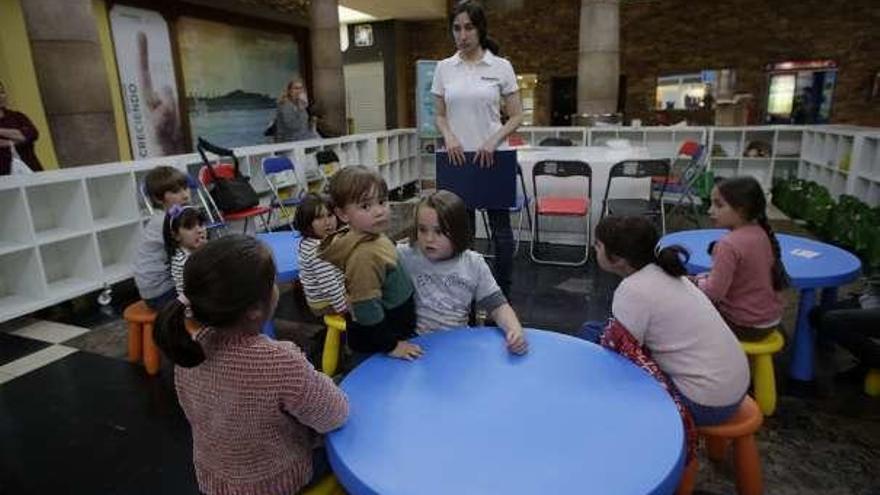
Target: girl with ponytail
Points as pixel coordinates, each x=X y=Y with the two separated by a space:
x=747 y=274
x=254 y=404
x=659 y=315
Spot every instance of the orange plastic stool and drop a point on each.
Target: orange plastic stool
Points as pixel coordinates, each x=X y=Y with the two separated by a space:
x=140 y=320
x=740 y=429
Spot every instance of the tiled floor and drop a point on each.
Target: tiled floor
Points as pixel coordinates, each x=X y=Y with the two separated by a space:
x=77 y=418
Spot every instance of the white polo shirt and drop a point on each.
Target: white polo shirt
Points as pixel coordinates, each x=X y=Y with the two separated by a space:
x=472 y=93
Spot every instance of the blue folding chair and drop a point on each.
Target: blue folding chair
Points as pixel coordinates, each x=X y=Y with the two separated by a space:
x=280 y=173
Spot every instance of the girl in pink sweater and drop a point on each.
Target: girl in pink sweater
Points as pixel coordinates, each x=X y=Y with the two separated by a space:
x=747 y=274
x=254 y=404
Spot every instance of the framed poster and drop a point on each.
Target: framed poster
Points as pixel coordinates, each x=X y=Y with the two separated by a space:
x=233 y=77
x=146 y=75
x=363 y=35
x=425 y=99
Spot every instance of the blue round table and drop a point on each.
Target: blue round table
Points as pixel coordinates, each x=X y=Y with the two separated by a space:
x=470 y=418
x=285 y=248
x=810 y=265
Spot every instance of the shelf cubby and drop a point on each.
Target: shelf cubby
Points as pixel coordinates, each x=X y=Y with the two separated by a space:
x=785 y=168
x=117 y=247
x=868 y=162
x=601 y=138
x=636 y=137
x=71 y=266
x=15 y=224
x=788 y=144
x=577 y=137
x=59 y=210
x=759 y=137
x=758 y=168
x=679 y=137
x=21 y=283
x=728 y=141
x=113 y=200
x=725 y=167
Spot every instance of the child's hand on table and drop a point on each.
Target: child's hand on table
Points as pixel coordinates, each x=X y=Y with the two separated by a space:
x=406 y=350
x=516 y=341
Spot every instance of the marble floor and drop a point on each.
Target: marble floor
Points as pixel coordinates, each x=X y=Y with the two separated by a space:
x=77 y=418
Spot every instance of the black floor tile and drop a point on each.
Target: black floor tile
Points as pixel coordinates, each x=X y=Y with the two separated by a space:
x=13 y=347
x=88 y=424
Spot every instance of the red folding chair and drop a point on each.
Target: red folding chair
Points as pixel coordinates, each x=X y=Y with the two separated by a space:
x=227 y=171
x=561 y=206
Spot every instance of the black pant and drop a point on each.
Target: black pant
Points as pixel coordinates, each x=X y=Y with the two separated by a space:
x=399 y=324
x=852 y=327
x=502 y=237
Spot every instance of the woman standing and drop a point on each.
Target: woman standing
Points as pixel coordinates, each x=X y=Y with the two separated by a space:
x=18 y=133
x=469 y=89
x=292 y=120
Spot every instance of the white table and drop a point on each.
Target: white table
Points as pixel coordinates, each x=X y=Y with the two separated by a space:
x=600 y=159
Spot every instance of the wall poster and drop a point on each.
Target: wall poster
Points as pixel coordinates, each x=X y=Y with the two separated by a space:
x=233 y=77
x=146 y=74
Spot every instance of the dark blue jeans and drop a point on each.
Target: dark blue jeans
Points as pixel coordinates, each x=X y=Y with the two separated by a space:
x=502 y=237
x=157 y=303
x=591 y=331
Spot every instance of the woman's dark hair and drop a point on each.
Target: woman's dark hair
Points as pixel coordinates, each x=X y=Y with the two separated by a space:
x=452 y=215
x=223 y=280
x=308 y=210
x=477 y=16
x=178 y=217
x=745 y=195
x=635 y=240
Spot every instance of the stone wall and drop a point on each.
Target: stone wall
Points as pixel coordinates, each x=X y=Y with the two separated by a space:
x=661 y=37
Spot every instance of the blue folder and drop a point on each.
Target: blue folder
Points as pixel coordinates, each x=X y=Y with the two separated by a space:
x=492 y=188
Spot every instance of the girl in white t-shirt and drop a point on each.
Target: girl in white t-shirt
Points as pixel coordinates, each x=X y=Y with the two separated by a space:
x=448 y=277
x=672 y=319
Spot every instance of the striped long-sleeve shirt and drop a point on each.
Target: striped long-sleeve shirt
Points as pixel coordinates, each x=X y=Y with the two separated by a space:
x=323 y=283
x=178 y=261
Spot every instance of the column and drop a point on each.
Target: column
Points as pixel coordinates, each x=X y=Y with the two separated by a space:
x=598 y=56
x=328 y=82
x=72 y=79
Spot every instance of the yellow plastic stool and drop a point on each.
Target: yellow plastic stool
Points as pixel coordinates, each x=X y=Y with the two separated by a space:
x=872 y=382
x=327 y=486
x=330 y=358
x=761 y=359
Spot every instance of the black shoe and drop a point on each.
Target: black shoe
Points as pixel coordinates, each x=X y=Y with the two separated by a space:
x=856 y=374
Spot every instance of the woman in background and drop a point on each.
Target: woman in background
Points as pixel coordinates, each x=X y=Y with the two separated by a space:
x=292 y=119
x=17 y=133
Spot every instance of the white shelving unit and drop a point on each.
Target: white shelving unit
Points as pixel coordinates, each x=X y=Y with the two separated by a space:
x=117 y=246
x=67 y=232
x=16 y=234
x=57 y=210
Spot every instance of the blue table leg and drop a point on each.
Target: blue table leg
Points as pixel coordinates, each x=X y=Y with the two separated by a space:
x=802 y=353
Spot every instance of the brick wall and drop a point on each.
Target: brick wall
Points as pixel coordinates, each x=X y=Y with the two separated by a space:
x=541 y=38
x=673 y=36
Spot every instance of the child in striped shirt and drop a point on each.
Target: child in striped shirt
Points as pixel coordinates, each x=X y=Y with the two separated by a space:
x=323 y=283
x=184 y=232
